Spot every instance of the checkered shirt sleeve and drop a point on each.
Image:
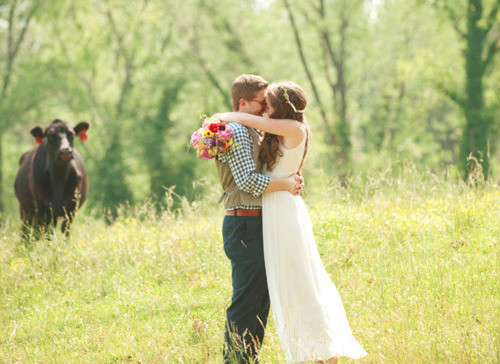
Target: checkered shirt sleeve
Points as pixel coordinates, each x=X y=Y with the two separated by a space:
x=242 y=164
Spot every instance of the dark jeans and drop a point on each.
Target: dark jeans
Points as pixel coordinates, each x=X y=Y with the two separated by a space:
x=246 y=317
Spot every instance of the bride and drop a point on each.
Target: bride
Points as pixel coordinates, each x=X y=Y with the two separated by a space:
x=308 y=311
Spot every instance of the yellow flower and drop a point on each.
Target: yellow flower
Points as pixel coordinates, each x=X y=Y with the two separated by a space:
x=208 y=133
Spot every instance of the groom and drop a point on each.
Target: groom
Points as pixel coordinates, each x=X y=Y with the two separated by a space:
x=243 y=186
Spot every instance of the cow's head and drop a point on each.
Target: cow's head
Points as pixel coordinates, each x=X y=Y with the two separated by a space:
x=58 y=138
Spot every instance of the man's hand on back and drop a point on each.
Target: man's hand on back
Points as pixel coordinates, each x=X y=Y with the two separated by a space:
x=295 y=184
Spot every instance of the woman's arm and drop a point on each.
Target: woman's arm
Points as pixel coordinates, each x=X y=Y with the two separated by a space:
x=284 y=127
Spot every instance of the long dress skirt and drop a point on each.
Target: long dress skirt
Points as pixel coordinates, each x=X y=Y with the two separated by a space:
x=308 y=311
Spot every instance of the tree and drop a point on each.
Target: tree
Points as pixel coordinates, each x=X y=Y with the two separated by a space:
x=331 y=23
x=18 y=19
x=480 y=36
x=402 y=52
x=219 y=20
x=155 y=133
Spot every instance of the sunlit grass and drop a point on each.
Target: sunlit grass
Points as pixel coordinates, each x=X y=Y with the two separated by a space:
x=415 y=261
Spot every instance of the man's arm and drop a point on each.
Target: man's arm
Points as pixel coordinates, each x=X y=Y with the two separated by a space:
x=293 y=184
x=242 y=164
x=244 y=168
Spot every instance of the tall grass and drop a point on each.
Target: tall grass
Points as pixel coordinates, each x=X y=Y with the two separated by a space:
x=414 y=257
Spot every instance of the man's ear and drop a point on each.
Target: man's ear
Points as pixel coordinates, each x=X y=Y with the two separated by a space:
x=242 y=104
x=37 y=132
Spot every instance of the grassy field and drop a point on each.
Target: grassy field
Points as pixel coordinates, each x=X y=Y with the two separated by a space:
x=414 y=259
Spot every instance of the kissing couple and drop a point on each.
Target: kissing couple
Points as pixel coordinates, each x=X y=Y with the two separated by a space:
x=268 y=234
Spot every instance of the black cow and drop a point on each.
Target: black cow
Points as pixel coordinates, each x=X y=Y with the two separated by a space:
x=52 y=181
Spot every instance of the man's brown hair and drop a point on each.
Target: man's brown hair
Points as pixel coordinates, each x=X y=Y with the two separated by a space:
x=245 y=87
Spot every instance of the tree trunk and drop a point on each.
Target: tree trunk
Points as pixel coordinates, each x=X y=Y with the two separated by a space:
x=477 y=125
x=344 y=129
x=112 y=188
x=158 y=127
x=481 y=47
x=1 y=177
x=335 y=117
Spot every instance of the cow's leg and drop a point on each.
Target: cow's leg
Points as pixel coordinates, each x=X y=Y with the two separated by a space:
x=68 y=219
x=33 y=227
x=29 y=224
x=26 y=225
x=42 y=222
x=66 y=225
x=50 y=223
x=37 y=226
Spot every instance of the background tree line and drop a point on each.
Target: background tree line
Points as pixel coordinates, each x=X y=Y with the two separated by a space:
x=387 y=80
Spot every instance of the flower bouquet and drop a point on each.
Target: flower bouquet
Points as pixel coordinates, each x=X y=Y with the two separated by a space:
x=212 y=139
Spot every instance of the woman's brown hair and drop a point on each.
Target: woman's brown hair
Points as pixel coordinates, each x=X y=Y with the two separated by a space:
x=289 y=101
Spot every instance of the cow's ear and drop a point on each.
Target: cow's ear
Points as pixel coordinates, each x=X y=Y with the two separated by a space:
x=37 y=132
x=81 y=130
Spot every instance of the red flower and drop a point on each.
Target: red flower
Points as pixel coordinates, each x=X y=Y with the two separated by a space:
x=214 y=128
x=222 y=127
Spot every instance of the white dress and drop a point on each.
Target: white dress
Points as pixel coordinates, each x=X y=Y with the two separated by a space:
x=308 y=311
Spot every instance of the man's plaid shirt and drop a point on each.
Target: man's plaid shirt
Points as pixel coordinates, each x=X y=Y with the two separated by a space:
x=243 y=166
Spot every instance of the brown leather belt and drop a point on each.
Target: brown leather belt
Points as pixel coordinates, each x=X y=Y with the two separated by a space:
x=243 y=212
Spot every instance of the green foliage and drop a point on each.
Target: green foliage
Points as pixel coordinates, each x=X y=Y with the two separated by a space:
x=141 y=73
